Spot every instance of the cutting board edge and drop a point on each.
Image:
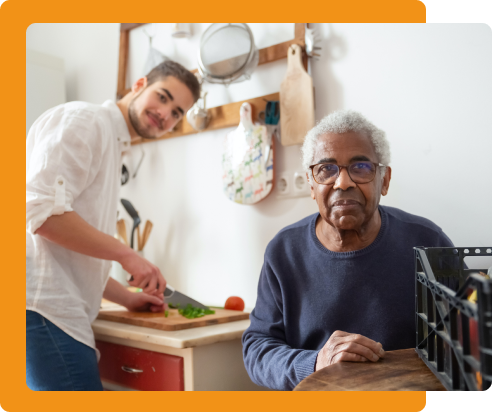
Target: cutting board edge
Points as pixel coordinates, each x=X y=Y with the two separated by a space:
x=200 y=322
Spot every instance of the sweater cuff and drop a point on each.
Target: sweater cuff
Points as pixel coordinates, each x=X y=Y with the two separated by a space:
x=305 y=363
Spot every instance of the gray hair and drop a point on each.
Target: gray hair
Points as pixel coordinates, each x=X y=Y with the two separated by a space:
x=343 y=121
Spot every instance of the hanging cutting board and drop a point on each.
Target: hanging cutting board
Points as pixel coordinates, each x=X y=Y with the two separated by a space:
x=174 y=321
x=296 y=100
x=247 y=161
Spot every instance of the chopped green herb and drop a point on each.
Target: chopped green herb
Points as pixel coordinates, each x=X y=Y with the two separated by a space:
x=166 y=313
x=191 y=312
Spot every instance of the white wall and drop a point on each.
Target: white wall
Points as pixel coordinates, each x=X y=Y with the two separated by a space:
x=45 y=84
x=428 y=86
x=90 y=53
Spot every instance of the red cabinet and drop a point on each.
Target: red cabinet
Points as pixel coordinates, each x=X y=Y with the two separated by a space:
x=140 y=369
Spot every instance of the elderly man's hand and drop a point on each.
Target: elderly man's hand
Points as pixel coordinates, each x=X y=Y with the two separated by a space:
x=348 y=347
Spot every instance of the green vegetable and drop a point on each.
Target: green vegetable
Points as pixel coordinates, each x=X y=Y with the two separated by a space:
x=191 y=312
x=166 y=313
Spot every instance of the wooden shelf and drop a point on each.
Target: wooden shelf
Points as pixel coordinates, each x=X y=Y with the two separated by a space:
x=223 y=116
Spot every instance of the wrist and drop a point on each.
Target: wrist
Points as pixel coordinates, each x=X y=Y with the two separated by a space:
x=127 y=298
x=123 y=253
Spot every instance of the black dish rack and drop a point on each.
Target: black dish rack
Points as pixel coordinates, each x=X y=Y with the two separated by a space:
x=454 y=335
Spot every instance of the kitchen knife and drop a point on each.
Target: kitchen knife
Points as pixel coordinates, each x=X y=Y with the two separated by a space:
x=174 y=297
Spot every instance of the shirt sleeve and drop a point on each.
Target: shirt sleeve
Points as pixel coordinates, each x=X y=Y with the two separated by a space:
x=59 y=159
x=269 y=360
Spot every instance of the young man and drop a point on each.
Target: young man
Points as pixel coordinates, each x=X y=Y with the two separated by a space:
x=73 y=166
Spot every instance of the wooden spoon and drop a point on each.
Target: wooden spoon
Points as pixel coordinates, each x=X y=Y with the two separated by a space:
x=147 y=229
x=121 y=227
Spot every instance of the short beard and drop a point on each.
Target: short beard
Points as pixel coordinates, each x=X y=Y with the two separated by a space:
x=132 y=115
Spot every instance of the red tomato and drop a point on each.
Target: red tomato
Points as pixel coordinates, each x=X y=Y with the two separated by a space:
x=234 y=303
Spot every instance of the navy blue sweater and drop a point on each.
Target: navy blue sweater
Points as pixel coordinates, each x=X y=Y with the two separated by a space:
x=306 y=292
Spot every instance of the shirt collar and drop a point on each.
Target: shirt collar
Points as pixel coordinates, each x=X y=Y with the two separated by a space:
x=122 y=133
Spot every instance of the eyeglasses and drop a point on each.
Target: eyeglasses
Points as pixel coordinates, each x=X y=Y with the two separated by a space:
x=359 y=172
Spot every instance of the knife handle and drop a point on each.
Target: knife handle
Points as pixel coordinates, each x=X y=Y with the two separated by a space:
x=129 y=279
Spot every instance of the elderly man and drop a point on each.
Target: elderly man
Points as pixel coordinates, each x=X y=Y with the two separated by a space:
x=338 y=285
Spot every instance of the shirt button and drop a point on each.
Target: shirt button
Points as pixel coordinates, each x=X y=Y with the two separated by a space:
x=60 y=182
x=118 y=139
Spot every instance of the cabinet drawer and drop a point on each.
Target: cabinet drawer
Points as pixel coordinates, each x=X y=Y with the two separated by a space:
x=140 y=369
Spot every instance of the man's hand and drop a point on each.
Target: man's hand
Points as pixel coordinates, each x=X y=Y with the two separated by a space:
x=134 y=302
x=143 y=302
x=146 y=276
x=348 y=347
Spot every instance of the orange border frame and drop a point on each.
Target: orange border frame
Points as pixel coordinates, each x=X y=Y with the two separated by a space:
x=15 y=18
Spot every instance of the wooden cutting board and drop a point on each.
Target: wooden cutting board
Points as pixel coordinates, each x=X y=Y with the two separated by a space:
x=174 y=321
x=296 y=100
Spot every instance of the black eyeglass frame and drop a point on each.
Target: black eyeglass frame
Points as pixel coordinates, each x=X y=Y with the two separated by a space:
x=340 y=167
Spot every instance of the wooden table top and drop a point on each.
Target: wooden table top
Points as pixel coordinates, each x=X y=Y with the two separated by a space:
x=399 y=370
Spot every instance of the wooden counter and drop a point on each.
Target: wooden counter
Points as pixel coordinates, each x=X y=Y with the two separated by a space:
x=211 y=355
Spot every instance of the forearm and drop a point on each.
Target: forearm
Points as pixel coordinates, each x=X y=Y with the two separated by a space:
x=74 y=233
x=272 y=363
x=116 y=292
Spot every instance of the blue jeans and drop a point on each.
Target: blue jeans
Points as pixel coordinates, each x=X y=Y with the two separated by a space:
x=57 y=362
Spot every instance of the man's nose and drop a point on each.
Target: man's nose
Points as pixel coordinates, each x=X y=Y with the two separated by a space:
x=343 y=181
x=164 y=112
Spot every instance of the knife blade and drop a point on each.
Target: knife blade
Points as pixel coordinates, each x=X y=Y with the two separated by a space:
x=174 y=297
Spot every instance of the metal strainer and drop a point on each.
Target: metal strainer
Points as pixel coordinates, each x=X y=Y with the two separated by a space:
x=227 y=53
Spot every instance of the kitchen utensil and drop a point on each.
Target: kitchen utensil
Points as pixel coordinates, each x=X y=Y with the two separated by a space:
x=310 y=41
x=121 y=228
x=134 y=215
x=155 y=57
x=198 y=116
x=146 y=233
x=246 y=162
x=271 y=114
x=181 y=30
x=296 y=100
x=227 y=53
x=174 y=321
x=139 y=239
x=174 y=297
x=127 y=170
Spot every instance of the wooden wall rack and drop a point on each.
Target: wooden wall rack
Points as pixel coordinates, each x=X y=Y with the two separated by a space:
x=222 y=116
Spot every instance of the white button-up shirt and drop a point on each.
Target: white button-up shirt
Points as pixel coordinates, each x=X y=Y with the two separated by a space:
x=73 y=163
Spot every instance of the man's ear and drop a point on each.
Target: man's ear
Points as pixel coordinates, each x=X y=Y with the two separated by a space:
x=386 y=181
x=139 y=85
x=311 y=186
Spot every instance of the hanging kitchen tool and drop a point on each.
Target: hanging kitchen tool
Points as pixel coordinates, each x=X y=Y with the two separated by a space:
x=247 y=161
x=198 y=116
x=127 y=171
x=271 y=114
x=296 y=100
x=310 y=39
x=227 y=53
x=181 y=30
x=154 y=57
x=134 y=215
